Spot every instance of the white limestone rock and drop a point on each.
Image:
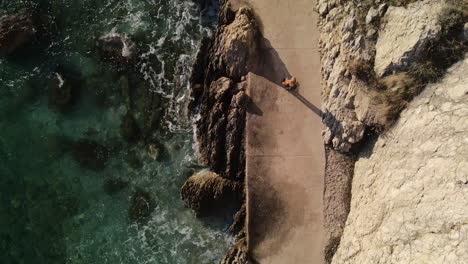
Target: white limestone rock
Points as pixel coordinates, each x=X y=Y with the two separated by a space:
x=372 y=15
x=410 y=191
x=405 y=34
x=465 y=32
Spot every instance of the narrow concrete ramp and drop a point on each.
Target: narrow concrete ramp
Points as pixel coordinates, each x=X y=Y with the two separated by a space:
x=285 y=153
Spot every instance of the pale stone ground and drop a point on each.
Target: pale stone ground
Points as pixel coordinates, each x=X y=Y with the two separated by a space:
x=285 y=153
x=405 y=33
x=410 y=194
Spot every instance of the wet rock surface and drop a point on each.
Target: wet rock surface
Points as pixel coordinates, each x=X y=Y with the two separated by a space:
x=16 y=31
x=238 y=254
x=117 y=48
x=63 y=90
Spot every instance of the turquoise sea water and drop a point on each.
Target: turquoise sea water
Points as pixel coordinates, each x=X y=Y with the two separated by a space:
x=52 y=210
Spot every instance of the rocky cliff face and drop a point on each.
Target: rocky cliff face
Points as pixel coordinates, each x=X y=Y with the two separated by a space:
x=376 y=56
x=410 y=190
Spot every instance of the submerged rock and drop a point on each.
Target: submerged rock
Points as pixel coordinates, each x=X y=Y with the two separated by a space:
x=141 y=206
x=64 y=87
x=114 y=185
x=61 y=92
x=132 y=159
x=129 y=128
x=208 y=194
x=16 y=31
x=155 y=151
x=90 y=154
x=117 y=48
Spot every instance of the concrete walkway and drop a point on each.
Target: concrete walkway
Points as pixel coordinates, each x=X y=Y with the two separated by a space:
x=285 y=154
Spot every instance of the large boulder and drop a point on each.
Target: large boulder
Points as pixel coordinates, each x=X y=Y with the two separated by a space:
x=235 y=50
x=405 y=34
x=208 y=194
x=16 y=31
x=410 y=189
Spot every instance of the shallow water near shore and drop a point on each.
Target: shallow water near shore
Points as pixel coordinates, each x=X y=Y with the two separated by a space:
x=52 y=210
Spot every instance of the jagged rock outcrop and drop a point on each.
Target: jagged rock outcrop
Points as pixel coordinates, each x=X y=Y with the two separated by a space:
x=220 y=101
x=221 y=128
x=238 y=254
x=343 y=40
x=410 y=190
x=219 y=92
x=359 y=102
x=207 y=193
x=234 y=52
x=16 y=31
x=364 y=44
x=406 y=33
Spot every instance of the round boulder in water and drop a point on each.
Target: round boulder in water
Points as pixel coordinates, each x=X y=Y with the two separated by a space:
x=141 y=206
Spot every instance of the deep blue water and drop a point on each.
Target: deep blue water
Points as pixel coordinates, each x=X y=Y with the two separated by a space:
x=54 y=209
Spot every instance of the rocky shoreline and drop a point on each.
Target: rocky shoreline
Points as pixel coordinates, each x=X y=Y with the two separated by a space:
x=219 y=100
x=363 y=92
